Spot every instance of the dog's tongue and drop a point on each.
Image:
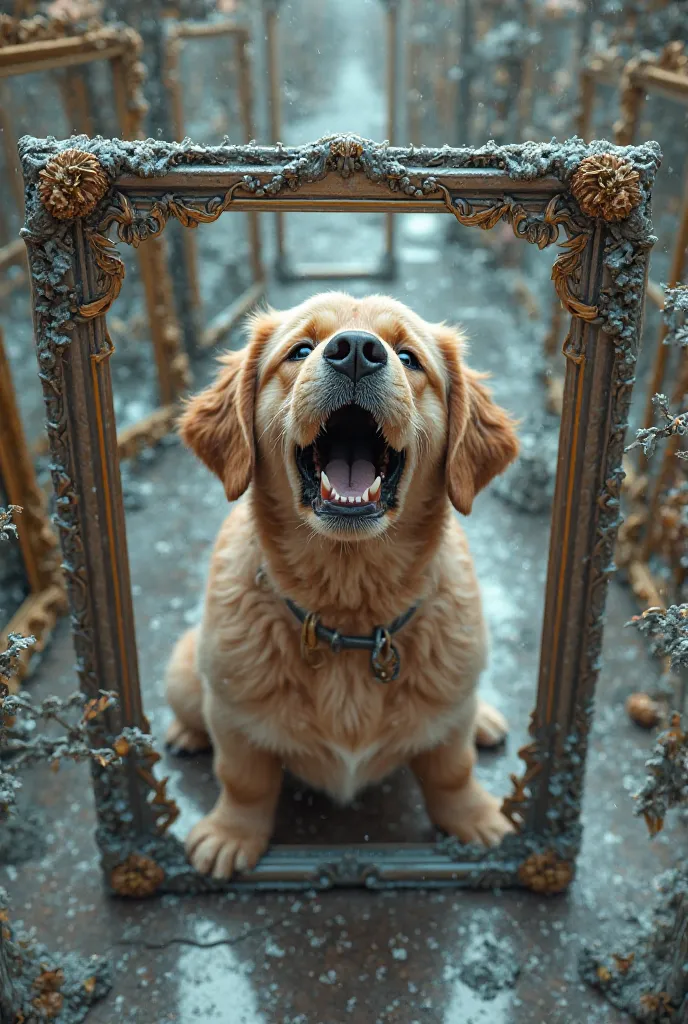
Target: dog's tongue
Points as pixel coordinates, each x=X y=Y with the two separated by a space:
x=350 y=479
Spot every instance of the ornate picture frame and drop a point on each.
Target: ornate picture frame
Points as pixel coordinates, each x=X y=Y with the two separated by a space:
x=46 y=599
x=600 y=69
x=284 y=268
x=238 y=35
x=664 y=74
x=40 y=44
x=596 y=197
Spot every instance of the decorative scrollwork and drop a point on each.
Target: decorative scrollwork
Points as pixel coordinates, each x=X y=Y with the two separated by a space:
x=134 y=227
x=541 y=230
x=348 y=869
x=514 y=807
x=165 y=810
x=111 y=270
x=345 y=150
x=346 y=155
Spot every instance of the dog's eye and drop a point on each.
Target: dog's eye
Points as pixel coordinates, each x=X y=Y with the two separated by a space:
x=408 y=360
x=300 y=351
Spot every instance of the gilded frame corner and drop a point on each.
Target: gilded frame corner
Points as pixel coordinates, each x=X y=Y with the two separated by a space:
x=549 y=194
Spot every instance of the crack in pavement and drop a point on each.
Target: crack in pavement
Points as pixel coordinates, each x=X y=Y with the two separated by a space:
x=232 y=941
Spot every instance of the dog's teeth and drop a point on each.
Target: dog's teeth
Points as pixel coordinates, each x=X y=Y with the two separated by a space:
x=351 y=500
x=366 y=495
x=335 y=496
x=375 y=489
x=326 y=489
x=358 y=500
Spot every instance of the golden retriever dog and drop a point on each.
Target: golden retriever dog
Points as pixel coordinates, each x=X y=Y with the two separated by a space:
x=342 y=634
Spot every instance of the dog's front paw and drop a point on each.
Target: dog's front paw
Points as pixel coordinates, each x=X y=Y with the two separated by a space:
x=476 y=817
x=182 y=740
x=218 y=848
x=491 y=727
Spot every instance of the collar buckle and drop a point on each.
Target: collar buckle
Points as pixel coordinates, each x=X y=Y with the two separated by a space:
x=384 y=658
x=309 y=640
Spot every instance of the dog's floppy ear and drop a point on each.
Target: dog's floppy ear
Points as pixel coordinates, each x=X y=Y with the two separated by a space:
x=217 y=424
x=482 y=439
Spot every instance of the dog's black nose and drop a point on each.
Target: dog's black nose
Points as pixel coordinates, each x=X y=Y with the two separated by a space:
x=355 y=353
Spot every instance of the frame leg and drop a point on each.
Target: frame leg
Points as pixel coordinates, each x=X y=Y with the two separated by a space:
x=172 y=362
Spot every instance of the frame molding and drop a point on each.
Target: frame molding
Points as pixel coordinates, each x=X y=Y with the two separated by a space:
x=602 y=68
x=177 y=35
x=599 y=275
x=664 y=73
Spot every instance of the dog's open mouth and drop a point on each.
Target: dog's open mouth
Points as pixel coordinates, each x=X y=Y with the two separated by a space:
x=350 y=471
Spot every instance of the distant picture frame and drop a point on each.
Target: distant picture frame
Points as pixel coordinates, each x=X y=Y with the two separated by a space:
x=46 y=598
x=237 y=35
x=597 y=198
x=42 y=44
x=286 y=268
x=603 y=68
x=651 y=505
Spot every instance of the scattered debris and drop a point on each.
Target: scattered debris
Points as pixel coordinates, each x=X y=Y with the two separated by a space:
x=489 y=965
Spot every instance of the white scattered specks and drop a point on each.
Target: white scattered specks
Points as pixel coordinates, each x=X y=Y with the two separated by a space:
x=272 y=949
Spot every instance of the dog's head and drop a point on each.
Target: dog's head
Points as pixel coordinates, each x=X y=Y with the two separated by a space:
x=355 y=412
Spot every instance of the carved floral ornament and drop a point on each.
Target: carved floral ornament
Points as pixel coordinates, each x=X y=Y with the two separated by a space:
x=72 y=184
x=137 y=876
x=606 y=187
x=546 y=873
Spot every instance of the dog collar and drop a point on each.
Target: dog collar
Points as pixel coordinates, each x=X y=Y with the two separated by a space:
x=385 y=661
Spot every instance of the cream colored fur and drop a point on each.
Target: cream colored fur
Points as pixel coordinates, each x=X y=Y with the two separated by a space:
x=239 y=681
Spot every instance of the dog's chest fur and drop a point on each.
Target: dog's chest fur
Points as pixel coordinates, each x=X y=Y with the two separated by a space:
x=334 y=725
